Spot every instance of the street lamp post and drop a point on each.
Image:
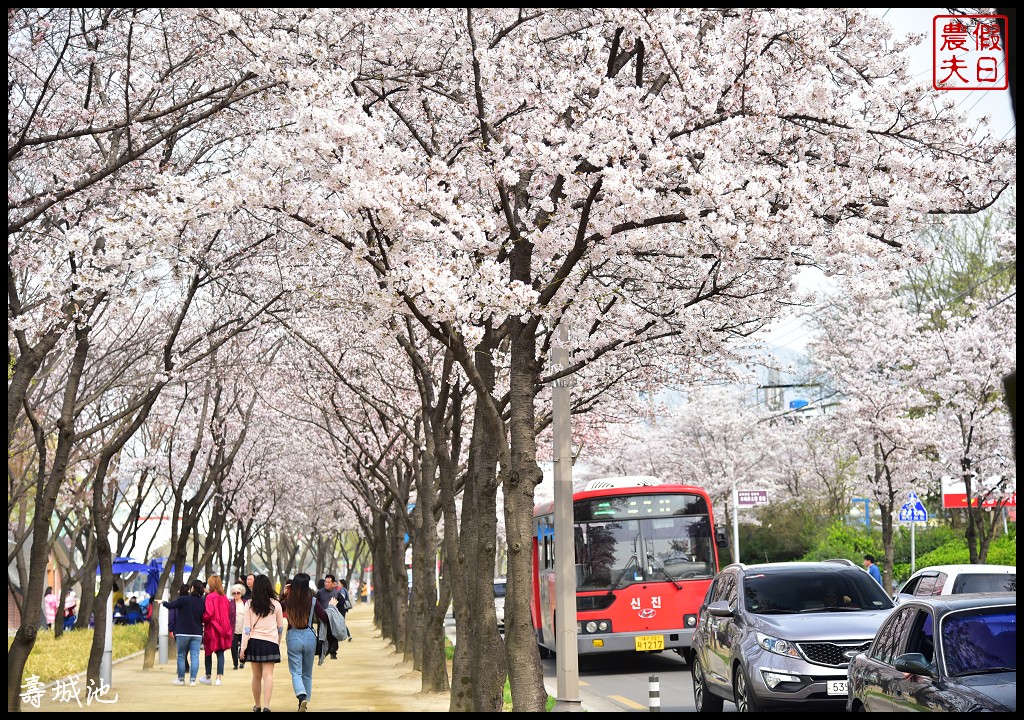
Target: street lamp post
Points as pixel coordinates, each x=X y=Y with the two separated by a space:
x=566 y=656
x=867 y=511
x=735 y=524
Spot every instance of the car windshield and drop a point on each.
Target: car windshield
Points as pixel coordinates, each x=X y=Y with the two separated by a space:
x=499 y=589
x=980 y=641
x=806 y=591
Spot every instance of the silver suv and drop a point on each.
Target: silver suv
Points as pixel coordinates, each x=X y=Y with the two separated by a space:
x=499 y=601
x=783 y=634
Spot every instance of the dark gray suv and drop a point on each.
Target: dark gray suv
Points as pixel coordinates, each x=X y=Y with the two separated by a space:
x=783 y=634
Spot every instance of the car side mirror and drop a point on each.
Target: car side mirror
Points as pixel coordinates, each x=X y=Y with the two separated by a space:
x=720 y=608
x=913 y=663
x=721 y=539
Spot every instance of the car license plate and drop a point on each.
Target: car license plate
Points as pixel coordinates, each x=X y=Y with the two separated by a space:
x=837 y=687
x=649 y=642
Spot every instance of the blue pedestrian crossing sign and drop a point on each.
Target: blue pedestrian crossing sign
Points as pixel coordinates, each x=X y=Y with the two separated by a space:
x=913 y=510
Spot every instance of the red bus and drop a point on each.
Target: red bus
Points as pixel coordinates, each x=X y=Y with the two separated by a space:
x=645 y=556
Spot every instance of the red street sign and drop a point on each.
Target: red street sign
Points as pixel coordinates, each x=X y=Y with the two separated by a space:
x=959 y=500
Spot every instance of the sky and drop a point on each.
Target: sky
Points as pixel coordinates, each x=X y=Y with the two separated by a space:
x=793 y=333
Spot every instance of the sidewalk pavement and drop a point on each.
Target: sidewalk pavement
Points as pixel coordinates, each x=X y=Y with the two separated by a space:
x=368 y=676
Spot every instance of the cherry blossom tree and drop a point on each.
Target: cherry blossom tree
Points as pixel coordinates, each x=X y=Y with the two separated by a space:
x=960 y=367
x=653 y=177
x=718 y=438
x=647 y=175
x=100 y=103
x=868 y=347
x=817 y=462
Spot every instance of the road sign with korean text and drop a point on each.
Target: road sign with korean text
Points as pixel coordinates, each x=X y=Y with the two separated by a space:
x=751 y=497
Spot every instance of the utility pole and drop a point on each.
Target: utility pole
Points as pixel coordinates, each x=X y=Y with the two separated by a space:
x=735 y=524
x=566 y=651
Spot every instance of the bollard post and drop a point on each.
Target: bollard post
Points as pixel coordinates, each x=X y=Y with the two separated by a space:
x=654 y=689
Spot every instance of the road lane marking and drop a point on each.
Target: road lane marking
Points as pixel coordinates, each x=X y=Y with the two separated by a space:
x=627 y=702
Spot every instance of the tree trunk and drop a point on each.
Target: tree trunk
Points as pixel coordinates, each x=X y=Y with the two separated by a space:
x=479 y=669
x=46 y=498
x=526 y=675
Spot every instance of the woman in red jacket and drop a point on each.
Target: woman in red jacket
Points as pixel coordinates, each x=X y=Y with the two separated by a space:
x=218 y=626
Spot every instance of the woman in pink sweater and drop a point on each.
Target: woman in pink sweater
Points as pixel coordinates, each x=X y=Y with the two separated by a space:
x=261 y=640
x=218 y=627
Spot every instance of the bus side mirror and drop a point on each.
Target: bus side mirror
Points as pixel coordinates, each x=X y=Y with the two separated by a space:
x=720 y=538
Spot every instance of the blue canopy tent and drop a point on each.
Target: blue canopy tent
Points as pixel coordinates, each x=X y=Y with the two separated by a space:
x=153 y=577
x=123 y=565
x=155 y=567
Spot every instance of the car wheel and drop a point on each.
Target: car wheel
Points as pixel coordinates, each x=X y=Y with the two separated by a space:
x=743 y=692
x=703 y=700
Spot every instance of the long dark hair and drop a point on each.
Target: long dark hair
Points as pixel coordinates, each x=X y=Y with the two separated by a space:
x=262 y=594
x=298 y=602
x=197 y=587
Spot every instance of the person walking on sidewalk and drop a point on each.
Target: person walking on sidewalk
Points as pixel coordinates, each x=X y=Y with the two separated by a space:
x=873 y=571
x=50 y=603
x=261 y=640
x=188 y=630
x=299 y=607
x=344 y=605
x=324 y=596
x=172 y=621
x=218 y=624
x=236 y=639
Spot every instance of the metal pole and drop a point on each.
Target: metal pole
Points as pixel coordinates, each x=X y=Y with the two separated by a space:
x=913 y=556
x=567 y=657
x=654 y=694
x=735 y=524
x=107 y=661
x=162 y=639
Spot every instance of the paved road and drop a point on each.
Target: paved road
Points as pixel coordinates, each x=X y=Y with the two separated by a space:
x=620 y=683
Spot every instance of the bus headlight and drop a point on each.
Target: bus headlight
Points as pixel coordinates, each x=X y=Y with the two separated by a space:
x=589 y=627
x=690 y=620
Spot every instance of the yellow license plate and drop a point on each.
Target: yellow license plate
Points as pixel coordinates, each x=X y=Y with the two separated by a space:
x=649 y=642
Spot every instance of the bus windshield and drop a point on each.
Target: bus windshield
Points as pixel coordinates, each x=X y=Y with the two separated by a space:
x=642 y=538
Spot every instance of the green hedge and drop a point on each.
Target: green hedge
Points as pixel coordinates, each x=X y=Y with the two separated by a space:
x=936 y=545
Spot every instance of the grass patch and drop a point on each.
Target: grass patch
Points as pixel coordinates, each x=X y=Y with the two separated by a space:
x=52 y=659
x=506 y=699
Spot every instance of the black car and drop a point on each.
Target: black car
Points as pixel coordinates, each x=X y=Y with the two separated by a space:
x=952 y=653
